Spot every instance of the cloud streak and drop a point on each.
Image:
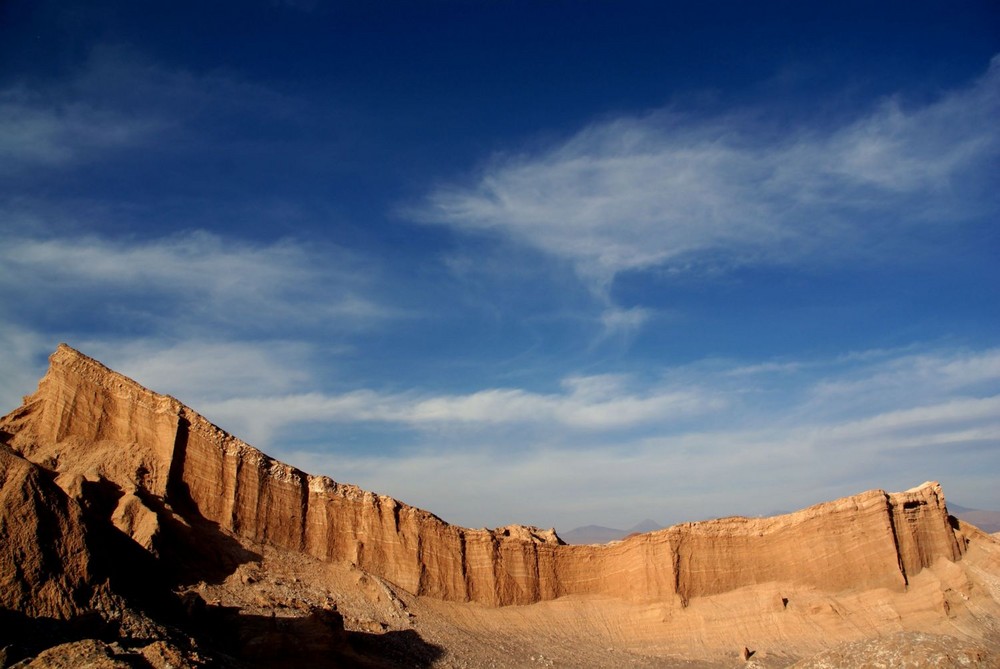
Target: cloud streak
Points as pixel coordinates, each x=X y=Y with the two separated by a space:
x=767 y=435
x=830 y=392
x=590 y=404
x=193 y=278
x=669 y=190
x=33 y=132
x=195 y=313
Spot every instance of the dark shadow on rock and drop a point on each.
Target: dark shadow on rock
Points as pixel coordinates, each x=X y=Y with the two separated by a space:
x=317 y=639
x=131 y=592
x=23 y=636
x=404 y=648
x=189 y=548
x=194 y=547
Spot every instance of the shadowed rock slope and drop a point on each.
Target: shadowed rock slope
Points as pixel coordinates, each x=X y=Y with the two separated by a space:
x=201 y=501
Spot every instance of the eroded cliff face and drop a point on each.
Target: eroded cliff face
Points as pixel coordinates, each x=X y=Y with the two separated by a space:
x=88 y=422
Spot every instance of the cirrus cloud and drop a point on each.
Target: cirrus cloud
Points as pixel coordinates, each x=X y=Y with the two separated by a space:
x=672 y=190
x=601 y=403
x=736 y=453
x=192 y=279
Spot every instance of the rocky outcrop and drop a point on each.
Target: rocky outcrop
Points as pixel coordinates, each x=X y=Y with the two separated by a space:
x=44 y=562
x=87 y=421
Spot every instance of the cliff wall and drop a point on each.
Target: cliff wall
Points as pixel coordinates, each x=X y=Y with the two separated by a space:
x=89 y=421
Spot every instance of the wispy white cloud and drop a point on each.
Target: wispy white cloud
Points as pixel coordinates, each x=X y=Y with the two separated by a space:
x=698 y=474
x=623 y=321
x=196 y=315
x=34 y=131
x=197 y=371
x=884 y=380
x=669 y=190
x=922 y=425
x=594 y=403
x=765 y=368
x=193 y=278
x=119 y=99
x=22 y=363
x=824 y=393
x=608 y=445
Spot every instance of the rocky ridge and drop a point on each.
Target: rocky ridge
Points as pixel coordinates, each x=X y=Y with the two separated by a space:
x=93 y=444
x=87 y=421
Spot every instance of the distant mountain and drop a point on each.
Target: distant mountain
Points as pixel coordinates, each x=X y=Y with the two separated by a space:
x=592 y=534
x=598 y=534
x=645 y=526
x=987 y=521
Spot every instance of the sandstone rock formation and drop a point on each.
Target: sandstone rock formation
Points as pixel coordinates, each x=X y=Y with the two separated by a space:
x=44 y=563
x=88 y=421
x=94 y=454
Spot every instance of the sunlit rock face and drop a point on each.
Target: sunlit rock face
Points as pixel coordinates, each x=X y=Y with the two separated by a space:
x=91 y=425
x=44 y=563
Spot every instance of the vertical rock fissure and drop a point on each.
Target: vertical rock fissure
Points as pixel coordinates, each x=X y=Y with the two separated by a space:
x=497 y=570
x=464 y=565
x=234 y=499
x=891 y=512
x=534 y=580
x=395 y=516
x=303 y=510
x=679 y=585
x=421 y=563
x=178 y=493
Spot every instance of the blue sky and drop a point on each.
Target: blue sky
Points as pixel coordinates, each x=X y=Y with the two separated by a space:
x=554 y=263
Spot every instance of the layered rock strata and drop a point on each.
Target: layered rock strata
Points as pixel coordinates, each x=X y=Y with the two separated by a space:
x=88 y=421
